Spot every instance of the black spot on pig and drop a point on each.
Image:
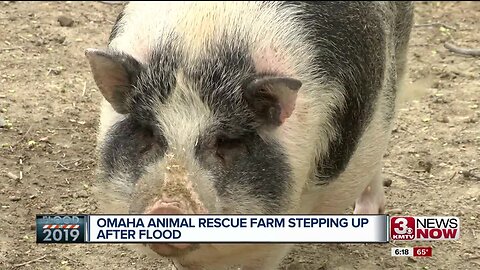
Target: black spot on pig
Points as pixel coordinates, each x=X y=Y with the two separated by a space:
x=116 y=27
x=260 y=168
x=354 y=58
x=264 y=170
x=130 y=146
x=219 y=77
x=157 y=80
x=221 y=74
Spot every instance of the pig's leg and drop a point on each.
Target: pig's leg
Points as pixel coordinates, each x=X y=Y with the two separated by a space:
x=372 y=199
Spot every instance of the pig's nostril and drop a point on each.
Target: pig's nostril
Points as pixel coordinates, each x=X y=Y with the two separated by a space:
x=165 y=208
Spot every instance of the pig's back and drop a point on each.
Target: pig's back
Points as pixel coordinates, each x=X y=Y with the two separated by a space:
x=347 y=44
x=356 y=46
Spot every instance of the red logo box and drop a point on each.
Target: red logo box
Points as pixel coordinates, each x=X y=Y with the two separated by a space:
x=402 y=228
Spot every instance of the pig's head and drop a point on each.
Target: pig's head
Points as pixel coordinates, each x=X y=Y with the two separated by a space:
x=195 y=137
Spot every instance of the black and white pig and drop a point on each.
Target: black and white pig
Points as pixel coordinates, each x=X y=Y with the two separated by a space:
x=248 y=108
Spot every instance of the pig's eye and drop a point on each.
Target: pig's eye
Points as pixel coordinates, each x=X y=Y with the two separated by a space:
x=147 y=137
x=228 y=148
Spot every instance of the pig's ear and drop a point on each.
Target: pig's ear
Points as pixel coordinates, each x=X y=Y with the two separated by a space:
x=272 y=99
x=114 y=75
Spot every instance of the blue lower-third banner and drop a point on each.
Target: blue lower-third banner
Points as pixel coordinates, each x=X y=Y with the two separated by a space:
x=212 y=228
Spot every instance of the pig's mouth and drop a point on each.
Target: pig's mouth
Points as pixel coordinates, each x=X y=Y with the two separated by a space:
x=172 y=250
x=171 y=207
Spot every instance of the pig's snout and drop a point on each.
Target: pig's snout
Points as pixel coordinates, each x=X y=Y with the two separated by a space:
x=162 y=208
x=176 y=197
x=168 y=208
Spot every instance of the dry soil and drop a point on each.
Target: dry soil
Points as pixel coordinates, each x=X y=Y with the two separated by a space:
x=49 y=112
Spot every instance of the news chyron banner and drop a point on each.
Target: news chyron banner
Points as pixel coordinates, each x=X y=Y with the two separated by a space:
x=212 y=228
x=244 y=229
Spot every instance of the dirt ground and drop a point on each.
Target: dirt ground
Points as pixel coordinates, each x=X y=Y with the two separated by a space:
x=49 y=112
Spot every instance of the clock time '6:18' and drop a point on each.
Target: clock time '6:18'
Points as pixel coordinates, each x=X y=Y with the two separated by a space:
x=402 y=252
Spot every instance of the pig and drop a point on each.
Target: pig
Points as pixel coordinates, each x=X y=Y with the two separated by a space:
x=248 y=108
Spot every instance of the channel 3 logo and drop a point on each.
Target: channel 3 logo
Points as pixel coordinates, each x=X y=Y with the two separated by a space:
x=402 y=228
